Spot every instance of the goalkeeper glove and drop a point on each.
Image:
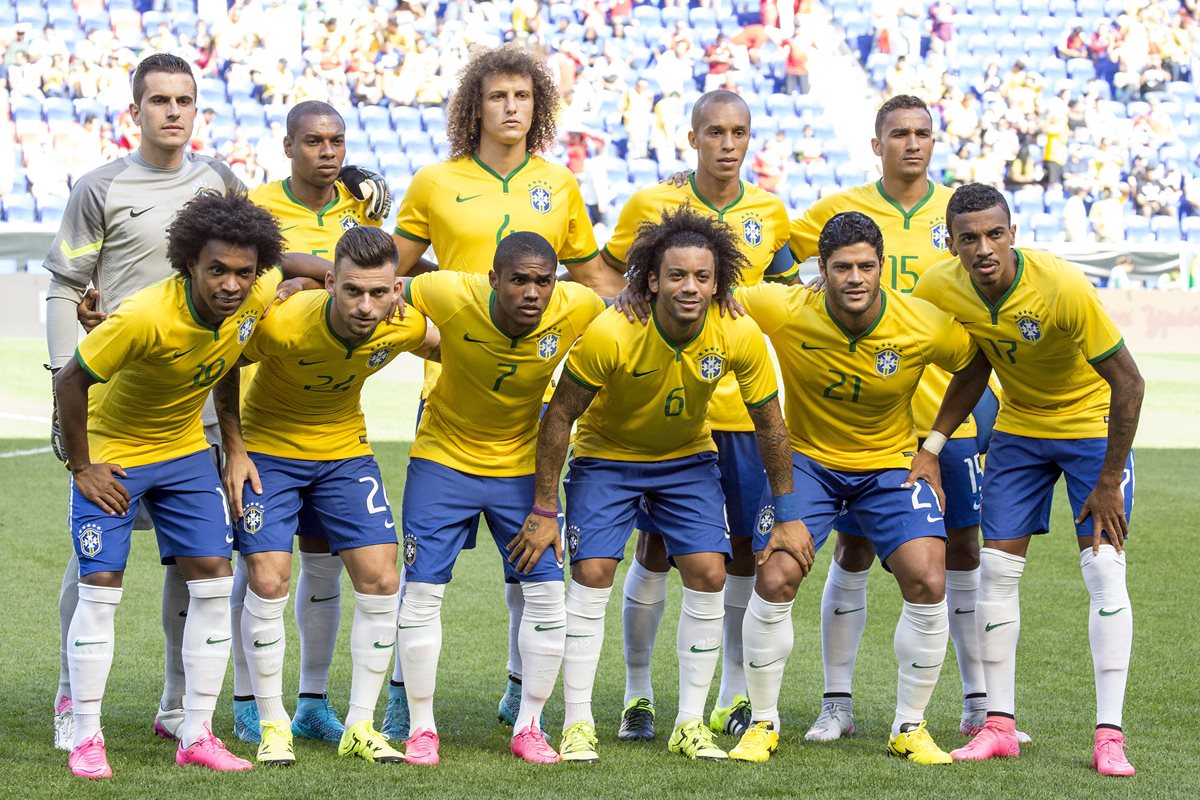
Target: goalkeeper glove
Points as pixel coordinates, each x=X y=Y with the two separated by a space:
x=370 y=187
x=56 y=440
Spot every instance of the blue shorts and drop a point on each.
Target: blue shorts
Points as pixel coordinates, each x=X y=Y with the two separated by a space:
x=985 y=419
x=188 y=504
x=342 y=501
x=891 y=515
x=743 y=480
x=441 y=519
x=962 y=481
x=1020 y=477
x=682 y=498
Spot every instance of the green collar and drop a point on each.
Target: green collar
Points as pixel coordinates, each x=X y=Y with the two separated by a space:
x=720 y=212
x=187 y=289
x=504 y=179
x=850 y=337
x=908 y=215
x=670 y=344
x=994 y=309
x=286 y=183
x=513 y=341
x=350 y=348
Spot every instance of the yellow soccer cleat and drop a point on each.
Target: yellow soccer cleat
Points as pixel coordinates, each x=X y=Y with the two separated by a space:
x=275 y=747
x=579 y=743
x=757 y=744
x=914 y=743
x=362 y=740
x=694 y=740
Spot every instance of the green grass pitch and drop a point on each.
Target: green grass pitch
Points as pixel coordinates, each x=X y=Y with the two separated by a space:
x=1055 y=694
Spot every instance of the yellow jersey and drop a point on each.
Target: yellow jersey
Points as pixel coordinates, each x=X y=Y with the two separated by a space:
x=308 y=231
x=157 y=361
x=482 y=416
x=303 y=401
x=759 y=222
x=652 y=396
x=912 y=242
x=1042 y=338
x=849 y=398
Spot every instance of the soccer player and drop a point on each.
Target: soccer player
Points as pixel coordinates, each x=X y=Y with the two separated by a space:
x=852 y=357
x=499 y=119
x=138 y=439
x=112 y=237
x=758 y=221
x=314 y=207
x=911 y=211
x=301 y=450
x=502 y=337
x=641 y=394
x=1072 y=395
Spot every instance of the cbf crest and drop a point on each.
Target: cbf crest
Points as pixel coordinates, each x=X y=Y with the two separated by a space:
x=547 y=345
x=712 y=365
x=245 y=328
x=766 y=520
x=379 y=357
x=752 y=231
x=540 y=197
x=252 y=519
x=91 y=540
x=939 y=236
x=348 y=223
x=1029 y=327
x=887 y=361
x=410 y=549
x=573 y=540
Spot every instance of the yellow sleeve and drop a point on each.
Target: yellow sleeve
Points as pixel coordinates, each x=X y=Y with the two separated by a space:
x=1079 y=313
x=952 y=347
x=580 y=244
x=766 y=304
x=752 y=365
x=412 y=220
x=431 y=294
x=626 y=228
x=804 y=232
x=125 y=336
x=593 y=358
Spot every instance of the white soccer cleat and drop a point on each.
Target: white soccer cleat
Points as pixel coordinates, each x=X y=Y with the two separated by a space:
x=835 y=721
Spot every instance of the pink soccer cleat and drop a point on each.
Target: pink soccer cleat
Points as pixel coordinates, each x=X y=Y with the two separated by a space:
x=90 y=759
x=996 y=739
x=1109 y=756
x=209 y=751
x=530 y=744
x=422 y=747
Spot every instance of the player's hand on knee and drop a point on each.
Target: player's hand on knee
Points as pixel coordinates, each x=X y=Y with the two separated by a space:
x=87 y=312
x=239 y=471
x=1106 y=506
x=368 y=186
x=925 y=467
x=99 y=484
x=794 y=539
x=535 y=536
x=634 y=306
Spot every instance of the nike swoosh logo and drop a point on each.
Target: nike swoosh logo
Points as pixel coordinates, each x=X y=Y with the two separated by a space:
x=315 y=599
x=964 y=611
x=304 y=363
x=991 y=626
x=925 y=666
x=807 y=346
x=410 y=627
x=288 y=228
x=389 y=524
x=382 y=646
x=637 y=374
x=931 y=518
x=211 y=640
x=540 y=629
x=183 y=613
x=135 y=214
x=837 y=612
x=228 y=540
x=181 y=354
x=704 y=649
x=1104 y=613
x=769 y=663
x=467 y=338
x=257 y=643
x=81 y=643
x=461 y=199
x=580 y=635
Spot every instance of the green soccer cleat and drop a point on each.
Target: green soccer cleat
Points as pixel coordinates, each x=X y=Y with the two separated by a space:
x=275 y=749
x=637 y=721
x=694 y=740
x=362 y=740
x=734 y=719
x=579 y=743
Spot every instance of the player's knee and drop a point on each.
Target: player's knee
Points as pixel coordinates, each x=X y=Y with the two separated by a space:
x=110 y=580
x=382 y=582
x=269 y=585
x=778 y=579
x=853 y=553
x=594 y=573
x=925 y=588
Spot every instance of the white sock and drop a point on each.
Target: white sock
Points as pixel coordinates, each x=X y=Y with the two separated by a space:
x=68 y=597
x=585 y=635
x=698 y=646
x=397 y=664
x=738 y=589
x=175 y=599
x=920 y=645
x=962 y=588
x=419 y=639
x=768 y=638
x=206 y=645
x=372 y=636
x=641 y=612
x=843 y=620
x=90 y=655
x=514 y=598
x=264 y=642
x=1110 y=629
x=998 y=625
x=542 y=641
x=242 y=687
x=320 y=577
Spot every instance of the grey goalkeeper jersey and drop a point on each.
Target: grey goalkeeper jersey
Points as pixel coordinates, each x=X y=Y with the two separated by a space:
x=113 y=233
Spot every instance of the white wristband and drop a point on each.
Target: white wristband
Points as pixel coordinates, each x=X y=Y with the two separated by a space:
x=934 y=442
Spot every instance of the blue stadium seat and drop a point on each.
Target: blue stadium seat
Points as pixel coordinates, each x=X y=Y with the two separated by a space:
x=381 y=138
x=416 y=146
x=374 y=124
x=801 y=194
x=51 y=209
x=420 y=160
x=1182 y=91
x=703 y=17
x=406 y=118
x=647 y=15
x=1191 y=229
x=1028 y=201
x=8 y=266
x=1062 y=8
x=672 y=15
x=62 y=18
x=1137 y=229
x=1165 y=229
x=819 y=173
x=1081 y=68
x=643 y=172
x=1044 y=227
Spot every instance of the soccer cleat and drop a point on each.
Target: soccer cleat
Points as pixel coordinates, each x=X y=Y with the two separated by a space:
x=975 y=715
x=209 y=751
x=90 y=759
x=996 y=739
x=835 y=721
x=362 y=740
x=757 y=743
x=694 y=740
x=167 y=722
x=734 y=719
x=530 y=744
x=1108 y=757
x=245 y=721
x=914 y=743
x=64 y=724
x=276 y=747
x=422 y=747
x=316 y=719
x=510 y=703
x=395 y=717
x=637 y=721
x=579 y=743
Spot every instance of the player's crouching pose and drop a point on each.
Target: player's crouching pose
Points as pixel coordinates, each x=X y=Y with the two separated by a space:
x=646 y=390
x=1072 y=395
x=502 y=336
x=138 y=438
x=300 y=452
x=852 y=358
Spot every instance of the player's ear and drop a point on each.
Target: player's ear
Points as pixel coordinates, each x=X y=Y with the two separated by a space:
x=692 y=140
x=652 y=281
x=330 y=281
x=134 y=112
x=876 y=147
x=287 y=146
x=493 y=279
